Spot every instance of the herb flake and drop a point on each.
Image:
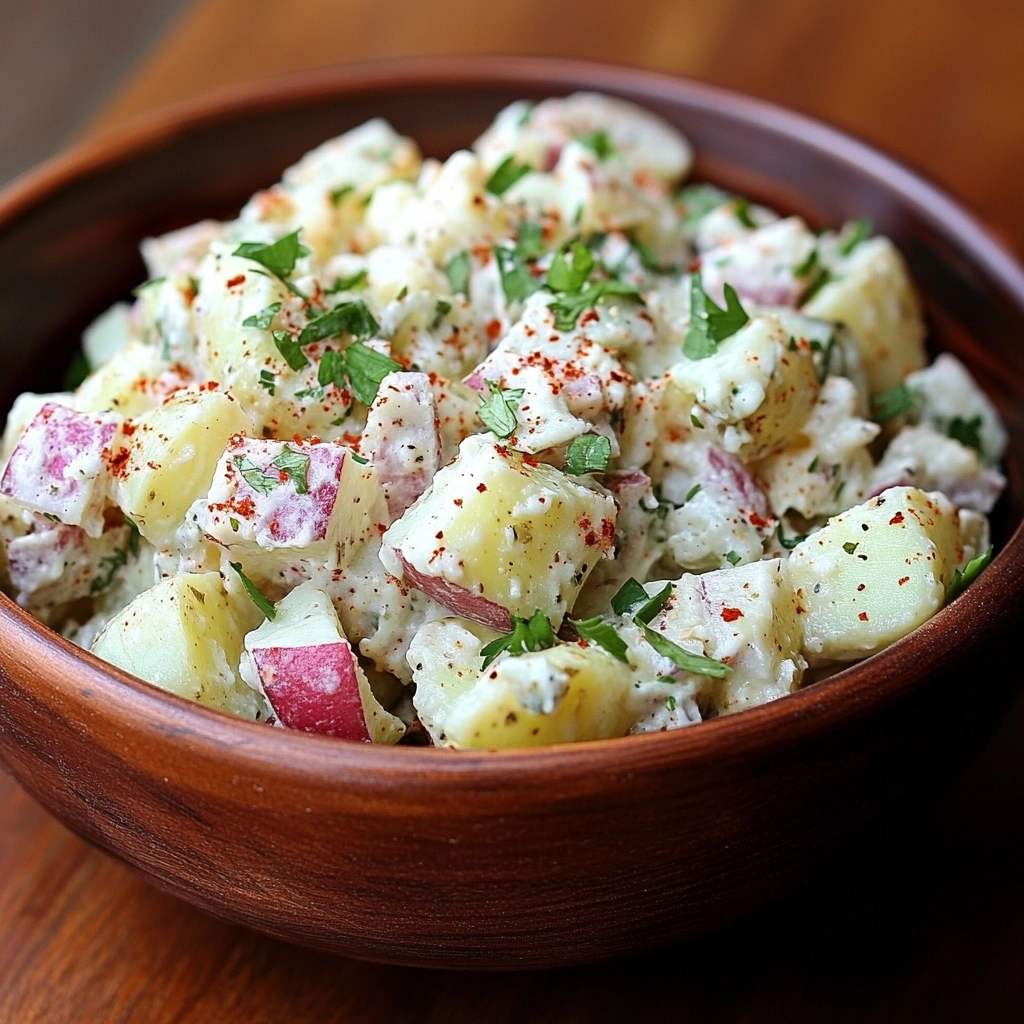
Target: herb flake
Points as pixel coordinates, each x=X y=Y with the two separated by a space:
x=588 y=454
x=256 y=595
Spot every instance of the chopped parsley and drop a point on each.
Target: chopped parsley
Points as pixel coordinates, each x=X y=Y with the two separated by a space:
x=256 y=595
x=816 y=274
x=692 y=492
x=337 y=194
x=898 y=401
x=741 y=211
x=588 y=454
x=149 y=284
x=631 y=600
x=264 y=318
x=599 y=143
x=967 y=432
x=533 y=634
x=516 y=280
x=268 y=381
x=290 y=350
x=789 y=542
x=457 y=271
x=699 y=200
x=331 y=370
x=962 y=580
x=597 y=631
x=78 y=369
x=278 y=257
x=366 y=368
x=813 y=464
x=856 y=232
x=109 y=565
x=505 y=175
x=709 y=323
x=850 y=546
x=134 y=538
x=569 y=281
x=697 y=664
x=254 y=476
x=295 y=465
x=353 y=283
x=351 y=318
x=498 y=413
x=441 y=310
x=530 y=243
x=733 y=557
x=564 y=276
x=826 y=351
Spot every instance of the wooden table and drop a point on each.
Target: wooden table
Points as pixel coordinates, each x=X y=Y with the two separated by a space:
x=928 y=926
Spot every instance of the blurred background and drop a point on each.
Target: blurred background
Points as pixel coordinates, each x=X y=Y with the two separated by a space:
x=931 y=931
x=939 y=83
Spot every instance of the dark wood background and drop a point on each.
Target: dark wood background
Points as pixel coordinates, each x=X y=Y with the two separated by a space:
x=925 y=924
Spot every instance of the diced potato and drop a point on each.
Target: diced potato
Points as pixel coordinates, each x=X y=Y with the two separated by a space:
x=303 y=664
x=744 y=617
x=750 y=396
x=168 y=459
x=498 y=533
x=300 y=500
x=108 y=334
x=185 y=636
x=873 y=296
x=874 y=573
x=59 y=466
x=131 y=383
x=563 y=695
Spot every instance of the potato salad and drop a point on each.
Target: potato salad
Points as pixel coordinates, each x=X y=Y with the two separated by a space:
x=539 y=444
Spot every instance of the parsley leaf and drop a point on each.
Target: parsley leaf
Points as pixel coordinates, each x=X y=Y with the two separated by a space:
x=516 y=280
x=278 y=257
x=629 y=596
x=789 y=542
x=588 y=454
x=441 y=310
x=699 y=200
x=567 y=308
x=815 y=272
x=291 y=350
x=850 y=546
x=254 y=476
x=295 y=465
x=602 y=633
x=898 y=401
x=967 y=432
x=533 y=634
x=694 y=663
x=110 y=564
x=268 y=381
x=962 y=580
x=741 y=211
x=366 y=368
x=709 y=323
x=530 y=243
x=563 y=277
x=264 y=318
x=353 y=283
x=505 y=175
x=134 y=537
x=139 y=289
x=733 y=557
x=647 y=258
x=599 y=143
x=352 y=318
x=337 y=194
x=498 y=413
x=859 y=230
x=78 y=369
x=457 y=271
x=255 y=594
x=653 y=605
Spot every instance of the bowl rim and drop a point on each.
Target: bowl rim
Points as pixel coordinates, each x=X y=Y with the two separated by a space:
x=841 y=700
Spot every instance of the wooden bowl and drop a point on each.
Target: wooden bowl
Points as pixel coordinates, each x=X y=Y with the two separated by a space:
x=519 y=858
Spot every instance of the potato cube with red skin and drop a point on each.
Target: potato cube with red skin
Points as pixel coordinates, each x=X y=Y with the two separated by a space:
x=402 y=438
x=303 y=664
x=60 y=466
x=302 y=498
x=500 y=534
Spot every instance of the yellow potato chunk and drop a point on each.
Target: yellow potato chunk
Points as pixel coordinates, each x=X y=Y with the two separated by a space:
x=168 y=459
x=185 y=635
x=875 y=299
x=563 y=695
x=874 y=573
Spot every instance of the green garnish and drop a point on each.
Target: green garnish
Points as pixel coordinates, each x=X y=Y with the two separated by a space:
x=441 y=310
x=697 y=664
x=733 y=557
x=850 y=546
x=826 y=351
x=137 y=291
x=254 y=476
x=255 y=594
x=457 y=271
x=353 y=283
x=692 y=492
x=588 y=454
x=505 y=175
x=498 y=413
x=818 y=276
x=967 y=432
x=962 y=580
x=295 y=465
x=331 y=370
x=813 y=465
x=78 y=369
x=695 y=421
x=629 y=596
x=789 y=542
x=530 y=243
x=861 y=229
x=563 y=276
x=709 y=323
x=268 y=381
x=699 y=200
x=278 y=257
x=264 y=318
x=898 y=401
x=337 y=194
x=516 y=280
x=134 y=537
x=741 y=211
x=602 y=633
x=567 y=308
x=533 y=634
x=290 y=349
x=599 y=143
x=365 y=369
x=351 y=318
x=110 y=564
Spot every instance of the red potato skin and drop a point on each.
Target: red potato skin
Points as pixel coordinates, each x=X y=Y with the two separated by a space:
x=314 y=689
x=459 y=600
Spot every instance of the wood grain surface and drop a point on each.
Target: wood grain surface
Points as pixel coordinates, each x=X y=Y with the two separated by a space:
x=933 y=929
